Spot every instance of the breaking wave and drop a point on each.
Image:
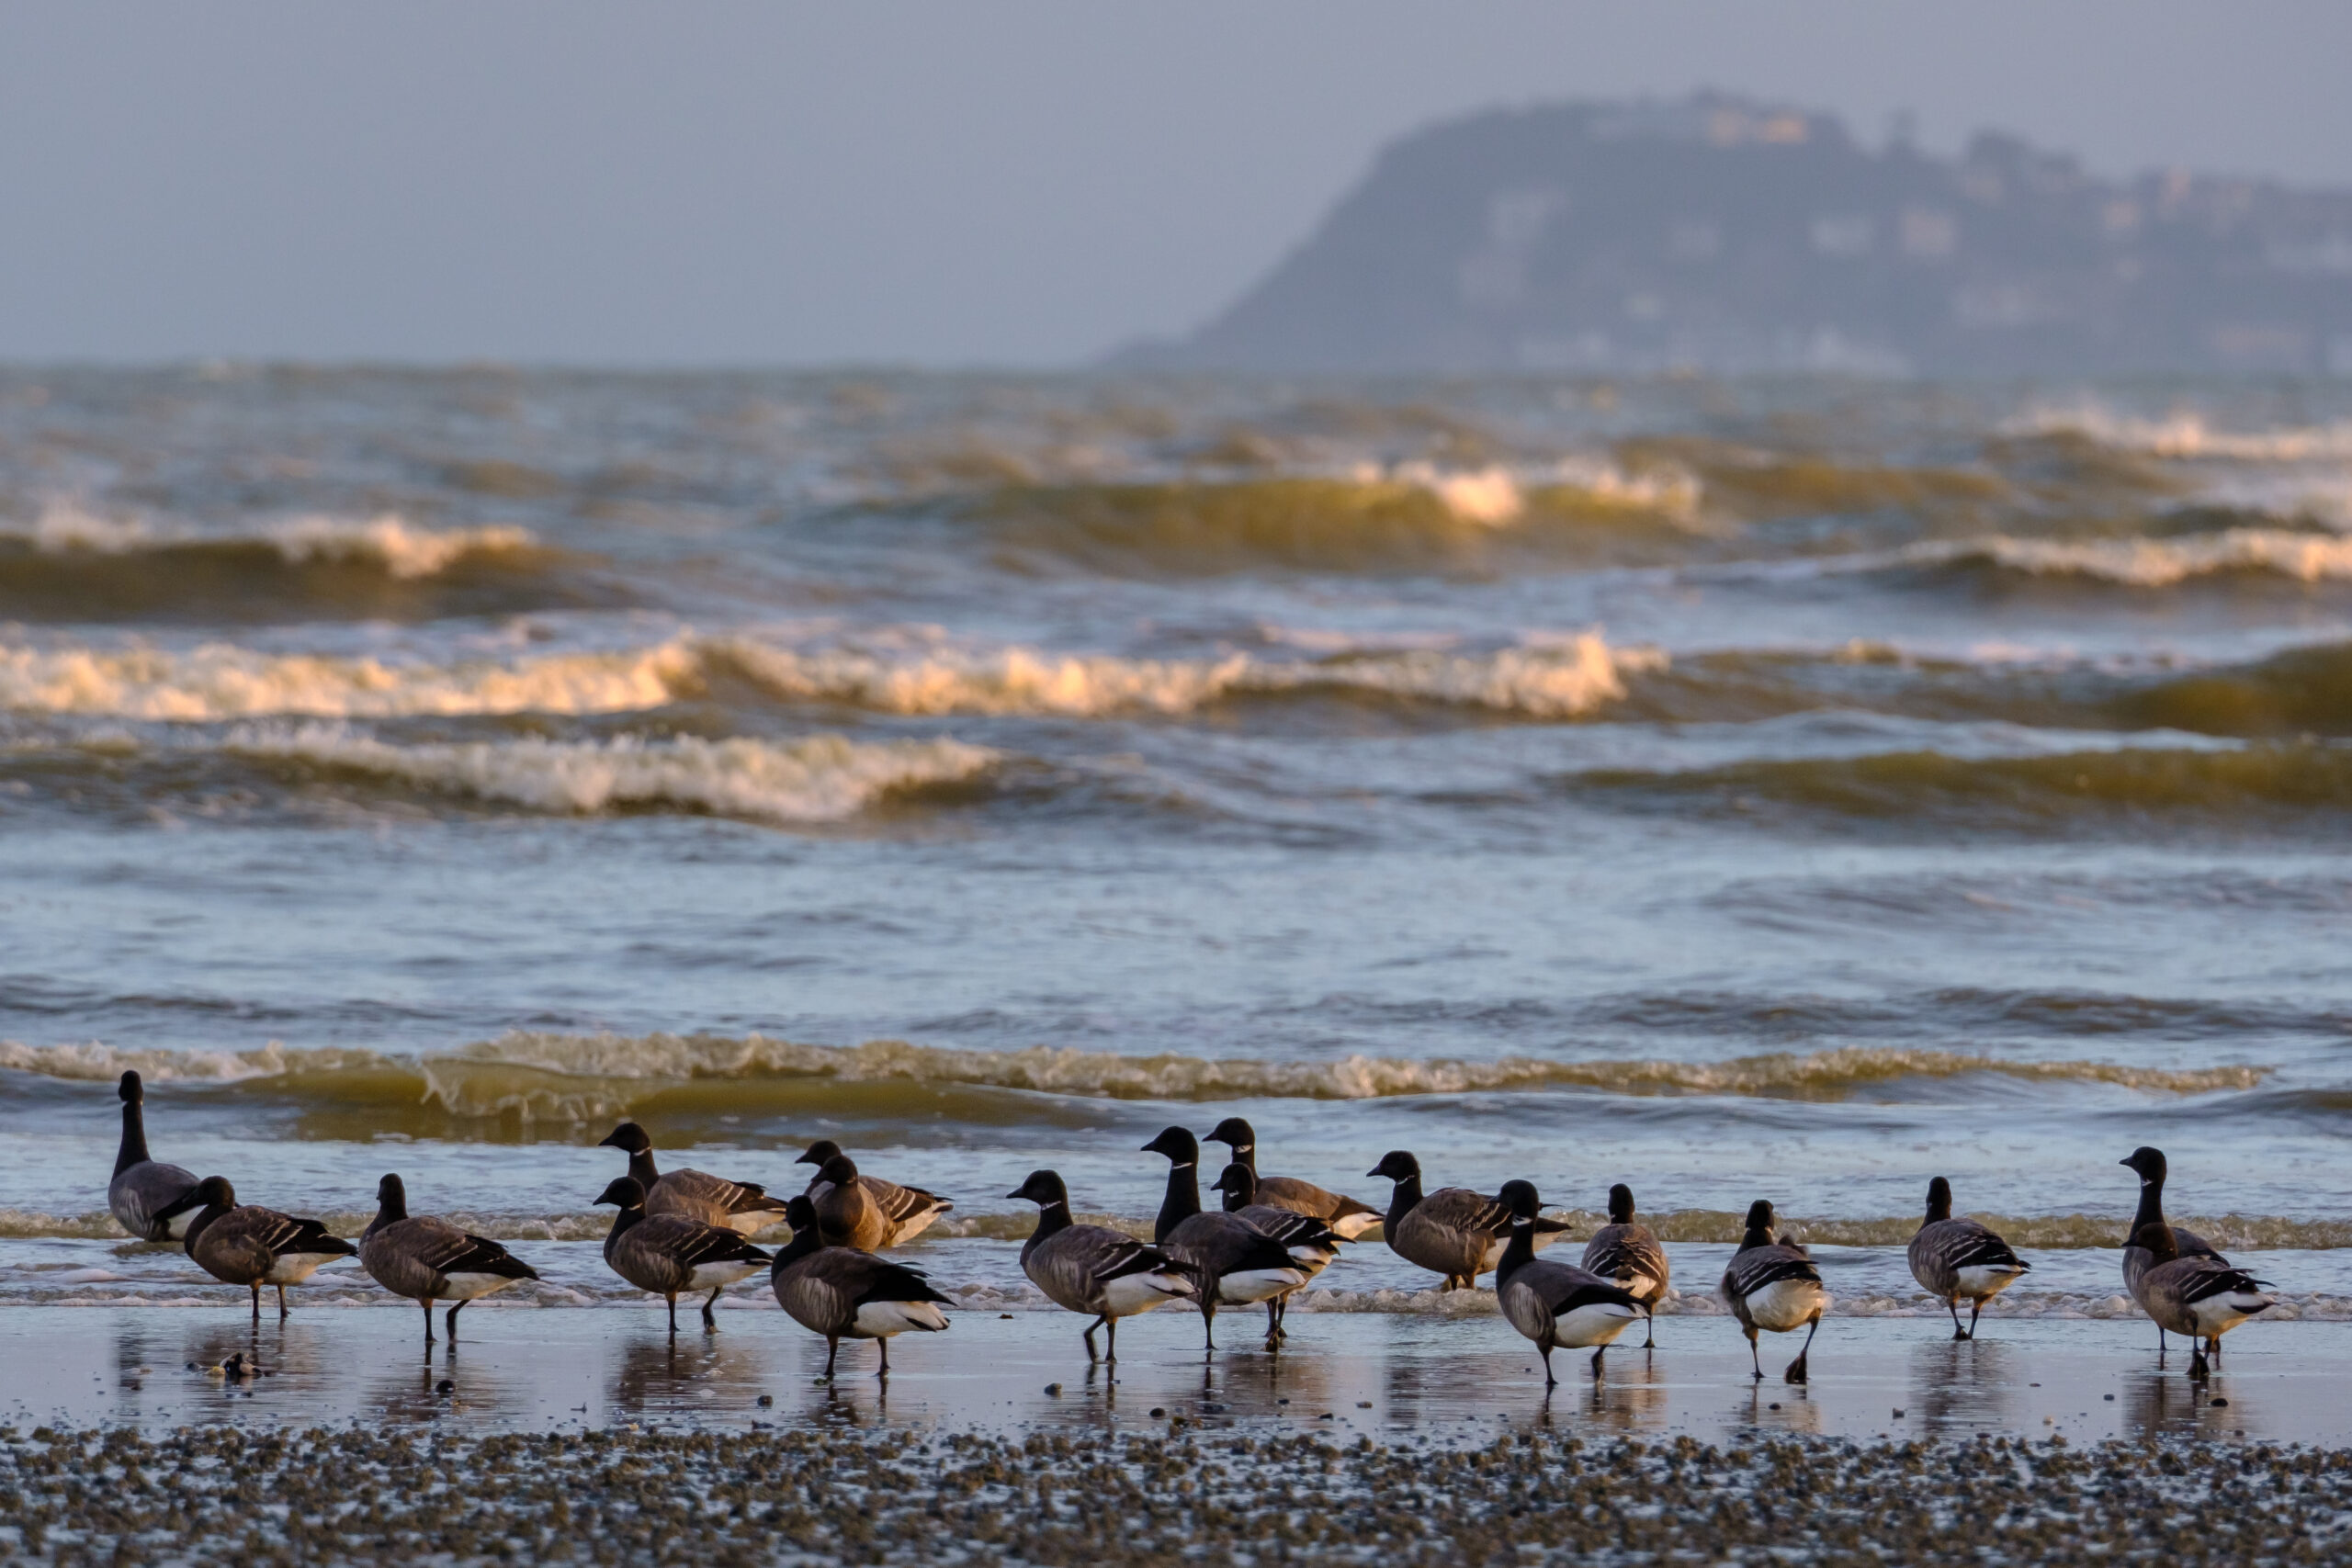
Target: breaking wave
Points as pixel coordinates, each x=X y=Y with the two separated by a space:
x=2022 y=792
x=1561 y=678
x=388 y=543
x=580 y=1078
x=2143 y=562
x=1412 y=518
x=822 y=778
x=1558 y=680
x=220 y=680
x=2188 y=436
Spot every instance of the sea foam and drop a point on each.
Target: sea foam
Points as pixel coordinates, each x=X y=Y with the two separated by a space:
x=388 y=542
x=820 y=778
x=1558 y=678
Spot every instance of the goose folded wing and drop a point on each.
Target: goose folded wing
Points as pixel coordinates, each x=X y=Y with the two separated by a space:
x=451 y=1251
x=881 y=1280
x=709 y=1244
x=1973 y=1246
x=2218 y=1279
x=900 y=1204
x=1291 y=1229
x=1459 y=1208
x=285 y=1234
x=1611 y=1254
x=1564 y=1288
x=1752 y=1271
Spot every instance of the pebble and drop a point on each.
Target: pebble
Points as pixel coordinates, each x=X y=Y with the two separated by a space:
x=223 y=1495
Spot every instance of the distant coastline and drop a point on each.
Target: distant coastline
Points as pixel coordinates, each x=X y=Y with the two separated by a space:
x=1723 y=235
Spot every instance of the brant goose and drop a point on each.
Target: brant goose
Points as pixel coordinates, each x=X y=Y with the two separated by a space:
x=670 y=1255
x=2200 y=1296
x=2149 y=1165
x=1627 y=1251
x=1558 y=1305
x=1773 y=1285
x=152 y=1200
x=1093 y=1268
x=253 y=1247
x=429 y=1259
x=1343 y=1214
x=908 y=1210
x=1312 y=1245
x=843 y=1294
x=1952 y=1259
x=1453 y=1231
x=1238 y=1264
x=743 y=1207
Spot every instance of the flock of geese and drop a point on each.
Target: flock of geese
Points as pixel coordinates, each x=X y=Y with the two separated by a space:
x=685 y=1232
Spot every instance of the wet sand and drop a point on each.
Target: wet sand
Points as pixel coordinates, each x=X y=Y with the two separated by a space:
x=591 y=1435
x=1455 y=1379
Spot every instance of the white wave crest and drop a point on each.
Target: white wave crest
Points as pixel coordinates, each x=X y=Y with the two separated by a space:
x=389 y=541
x=2187 y=435
x=96 y=1063
x=2154 y=563
x=1496 y=495
x=1555 y=680
x=219 y=680
x=822 y=778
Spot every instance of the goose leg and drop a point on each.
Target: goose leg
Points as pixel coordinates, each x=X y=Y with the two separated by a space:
x=450 y=1317
x=1595 y=1360
x=1113 y=1336
x=1754 y=1356
x=1549 y=1381
x=1273 y=1321
x=1951 y=1303
x=708 y=1320
x=2197 y=1366
x=427 y=1304
x=281 y=1304
x=1649 y=1327
x=885 y=1344
x=672 y=1298
x=1089 y=1336
x=2214 y=1349
x=1975 y=1311
x=1208 y=1317
x=1796 y=1372
x=832 y=1349
x=256 y=1302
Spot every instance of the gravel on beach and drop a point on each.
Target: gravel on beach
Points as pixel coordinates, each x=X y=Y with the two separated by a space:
x=217 y=1494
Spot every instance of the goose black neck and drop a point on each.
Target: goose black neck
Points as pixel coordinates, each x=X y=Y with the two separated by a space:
x=641 y=1169
x=1519 y=1250
x=389 y=1211
x=1404 y=1199
x=1938 y=1208
x=2151 y=1204
x=1756 y=1236
x=134 y=1138
x=806 y=1239
x=1183 y=1198
x=625 y=1221
x=1051 y=1218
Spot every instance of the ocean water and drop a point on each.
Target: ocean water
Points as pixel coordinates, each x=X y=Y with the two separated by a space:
x=1777 y=789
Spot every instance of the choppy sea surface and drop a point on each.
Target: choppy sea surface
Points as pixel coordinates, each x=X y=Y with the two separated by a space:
x=1789 y=789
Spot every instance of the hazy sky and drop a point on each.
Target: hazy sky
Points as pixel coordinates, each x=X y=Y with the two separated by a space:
x=949 y=182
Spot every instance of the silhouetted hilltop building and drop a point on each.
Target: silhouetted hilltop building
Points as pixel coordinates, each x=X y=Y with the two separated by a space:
x=1725 y=235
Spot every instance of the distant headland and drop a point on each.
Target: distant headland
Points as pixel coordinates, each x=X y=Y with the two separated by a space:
x=1723 y=235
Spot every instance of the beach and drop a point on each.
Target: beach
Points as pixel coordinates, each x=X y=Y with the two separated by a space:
x=595 y=1435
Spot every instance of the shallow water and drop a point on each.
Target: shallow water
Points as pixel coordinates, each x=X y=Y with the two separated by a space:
x=1781 y=789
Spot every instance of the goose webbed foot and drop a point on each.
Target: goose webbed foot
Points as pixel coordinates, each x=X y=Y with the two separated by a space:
x=1796 y=1372
x=2198 y=1368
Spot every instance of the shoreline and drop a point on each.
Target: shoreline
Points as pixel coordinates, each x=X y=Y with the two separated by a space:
x=1455 y=1380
